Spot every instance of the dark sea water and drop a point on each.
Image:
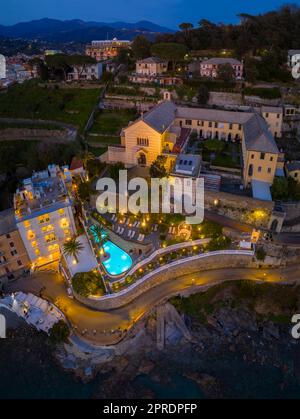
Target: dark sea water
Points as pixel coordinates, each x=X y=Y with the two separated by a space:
x=28 y=370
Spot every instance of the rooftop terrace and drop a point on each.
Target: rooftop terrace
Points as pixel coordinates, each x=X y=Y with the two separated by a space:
x=44 y=191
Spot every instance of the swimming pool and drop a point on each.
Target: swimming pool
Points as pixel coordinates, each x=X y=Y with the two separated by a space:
x=118 y=261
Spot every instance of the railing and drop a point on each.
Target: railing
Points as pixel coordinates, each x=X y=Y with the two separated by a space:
x=162 y=251
x=170 y=265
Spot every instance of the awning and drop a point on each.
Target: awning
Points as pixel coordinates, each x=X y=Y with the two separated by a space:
x=261 y=190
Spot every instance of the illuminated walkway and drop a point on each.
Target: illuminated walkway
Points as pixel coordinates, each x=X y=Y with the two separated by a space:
x=103 y=322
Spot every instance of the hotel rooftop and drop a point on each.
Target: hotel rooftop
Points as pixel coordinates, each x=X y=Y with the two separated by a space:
x=45 y=191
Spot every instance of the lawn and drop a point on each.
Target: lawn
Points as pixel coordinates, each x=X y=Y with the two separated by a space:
x=112 y=121
x=29 y=100
x=97 y=151
x=103 y=139
x=226 y=154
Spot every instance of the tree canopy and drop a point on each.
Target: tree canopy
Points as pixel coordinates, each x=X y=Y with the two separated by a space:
x=141 y=47
x=170 y=51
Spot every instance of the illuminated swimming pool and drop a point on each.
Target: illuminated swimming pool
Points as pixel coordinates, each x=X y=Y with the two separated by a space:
x=118 y=261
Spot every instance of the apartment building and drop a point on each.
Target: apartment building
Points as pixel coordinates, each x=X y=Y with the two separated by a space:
x=14 y=259
x=86 y=72
x=44 y=213
x=106 y=49
x=151 y=66
x=165 y=130
x=209 y=68
x=273 y=115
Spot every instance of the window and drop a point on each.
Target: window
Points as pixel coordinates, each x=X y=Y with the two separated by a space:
x=278 y=115
x=267 y=115
x=216 y=125
x=240 y=127
x=50 y=238
x=61 y=211
x=30 y=235
x=143 y=141
x=64 y=223
x=296 y=174
x=252 y=156
x=230 y=126
x=188 y=122
x=210 y=124
x=200 y=123
x=259 y=169
x=13 y=252
x=19 y=262
x=26 y=224
x=12 y=244
x=269 y=169
x=8 y=236
x=262 y=156
x=44 y=219
x=271 y=158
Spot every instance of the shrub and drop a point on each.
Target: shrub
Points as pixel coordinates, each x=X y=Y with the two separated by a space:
x=260 y=253
x=59 y=332
x=87 y=283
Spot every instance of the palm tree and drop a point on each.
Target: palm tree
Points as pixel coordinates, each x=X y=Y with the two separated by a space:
x=100 y=235
x=72 y=248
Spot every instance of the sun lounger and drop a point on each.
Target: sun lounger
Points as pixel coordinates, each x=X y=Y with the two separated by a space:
x=122 y=230
x=170 y=230
x=141 y=237
x=129 y=233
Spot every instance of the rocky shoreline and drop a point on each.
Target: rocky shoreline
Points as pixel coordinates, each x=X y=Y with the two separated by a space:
x=240 y=346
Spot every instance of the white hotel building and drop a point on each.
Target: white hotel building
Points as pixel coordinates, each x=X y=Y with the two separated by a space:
x=44 y=214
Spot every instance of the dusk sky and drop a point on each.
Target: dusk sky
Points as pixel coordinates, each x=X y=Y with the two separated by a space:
x=165 y=12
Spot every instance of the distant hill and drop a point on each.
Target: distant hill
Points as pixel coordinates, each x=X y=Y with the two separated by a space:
x=79 y=30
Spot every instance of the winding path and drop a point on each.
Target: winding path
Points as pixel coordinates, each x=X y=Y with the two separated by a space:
x=83 y=317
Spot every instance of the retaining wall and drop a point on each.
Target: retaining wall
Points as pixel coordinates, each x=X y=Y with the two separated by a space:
x=190 y=265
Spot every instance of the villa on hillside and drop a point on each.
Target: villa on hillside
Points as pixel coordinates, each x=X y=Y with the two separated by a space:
x=106 y=49
x=166 y=128
x=209 y=68
x=153 y=70
x=86 y=72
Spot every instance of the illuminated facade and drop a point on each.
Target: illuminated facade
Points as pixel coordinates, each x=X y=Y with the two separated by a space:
x=105 y=49
x=44 y=214
x=165 y=130
x=13 y=256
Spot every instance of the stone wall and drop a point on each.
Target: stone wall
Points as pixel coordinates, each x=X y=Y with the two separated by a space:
x=208 y=262
x=239 y=207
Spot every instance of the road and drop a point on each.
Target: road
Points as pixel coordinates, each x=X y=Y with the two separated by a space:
x=103 y=322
